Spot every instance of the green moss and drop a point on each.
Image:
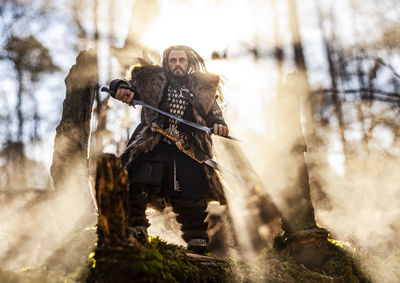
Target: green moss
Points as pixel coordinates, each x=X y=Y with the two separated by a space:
x=181 y=269
x=339 y=267
x=161 y=262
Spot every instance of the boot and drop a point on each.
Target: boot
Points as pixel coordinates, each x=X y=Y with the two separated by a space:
x=198 y=246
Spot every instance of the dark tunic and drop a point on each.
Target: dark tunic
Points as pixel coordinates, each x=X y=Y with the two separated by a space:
x=150 y=159
x=168 y=171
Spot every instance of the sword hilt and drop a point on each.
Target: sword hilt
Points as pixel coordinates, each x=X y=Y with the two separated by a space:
x=113 y=93
x=106 y=89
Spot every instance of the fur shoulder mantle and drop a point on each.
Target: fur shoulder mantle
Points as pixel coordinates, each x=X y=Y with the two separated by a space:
x=150 y=81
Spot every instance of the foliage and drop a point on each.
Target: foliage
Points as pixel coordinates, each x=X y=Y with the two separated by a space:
x=29 y=55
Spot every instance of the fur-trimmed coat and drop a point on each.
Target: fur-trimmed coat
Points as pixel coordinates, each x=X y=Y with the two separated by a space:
x=150 y=82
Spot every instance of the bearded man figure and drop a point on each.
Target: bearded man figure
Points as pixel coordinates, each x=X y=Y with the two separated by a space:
x=165 y=158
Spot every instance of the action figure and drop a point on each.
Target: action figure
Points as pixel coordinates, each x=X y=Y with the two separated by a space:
x=168 y=159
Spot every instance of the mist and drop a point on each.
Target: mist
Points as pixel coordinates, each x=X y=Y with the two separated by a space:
x=349 y=120
x=39 y=222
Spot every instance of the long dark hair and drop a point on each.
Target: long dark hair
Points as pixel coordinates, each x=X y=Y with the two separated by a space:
x=195 y=61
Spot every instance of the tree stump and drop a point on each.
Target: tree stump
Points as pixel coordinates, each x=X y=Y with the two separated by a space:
x=71 y=144
x=116 y=251
x=112 y=189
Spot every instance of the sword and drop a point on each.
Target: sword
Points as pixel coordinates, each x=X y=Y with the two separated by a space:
x=219 y=167
x=135 y=102
x=191 y=153
x=209 y=162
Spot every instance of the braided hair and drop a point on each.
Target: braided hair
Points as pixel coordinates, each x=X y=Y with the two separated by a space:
x=195 y=61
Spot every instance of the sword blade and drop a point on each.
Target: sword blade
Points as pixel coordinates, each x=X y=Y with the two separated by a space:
x=135 y=102
x=187 y=122
x=182 y=120
x=222 y=169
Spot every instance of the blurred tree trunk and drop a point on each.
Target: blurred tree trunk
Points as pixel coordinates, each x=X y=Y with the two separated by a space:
x=364 y=106
x=334 y=80
x=278 y=50
x=296 y=38
x=305 y=98
x=101 y=111
x=299 y=213
x=304 y=238
x=101 y=108
x=19 y=104
x=293 y=99
x=71 y=144
x=396 y=89
x=143 y=14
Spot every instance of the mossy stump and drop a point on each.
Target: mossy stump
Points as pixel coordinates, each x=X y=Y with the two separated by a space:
x=112 y=189
x=315 y=251
x=159 y=262
x=307 y=247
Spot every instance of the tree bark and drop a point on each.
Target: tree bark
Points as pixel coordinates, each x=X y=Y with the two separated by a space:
x=303 y=237
x=71 y=144
x=143 y=14
x=299 y=212
x=112 y=199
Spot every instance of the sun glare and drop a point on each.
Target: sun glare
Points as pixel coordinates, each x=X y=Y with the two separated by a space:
x=202 y=25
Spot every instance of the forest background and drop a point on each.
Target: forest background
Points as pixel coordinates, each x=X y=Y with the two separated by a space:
x=348 y=49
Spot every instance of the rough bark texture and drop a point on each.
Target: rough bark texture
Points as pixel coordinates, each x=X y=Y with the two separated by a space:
x=114 y=246
x=70 y=158
x=112 y=189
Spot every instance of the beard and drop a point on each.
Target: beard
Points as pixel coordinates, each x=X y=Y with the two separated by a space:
x=179 y=73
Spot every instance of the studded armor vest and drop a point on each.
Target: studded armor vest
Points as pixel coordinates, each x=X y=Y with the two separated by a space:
x=177 y=105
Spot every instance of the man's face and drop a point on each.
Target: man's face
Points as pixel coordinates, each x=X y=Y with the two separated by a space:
x=178 y=63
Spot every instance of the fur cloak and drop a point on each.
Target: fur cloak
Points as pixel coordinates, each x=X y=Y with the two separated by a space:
x=150 y=82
